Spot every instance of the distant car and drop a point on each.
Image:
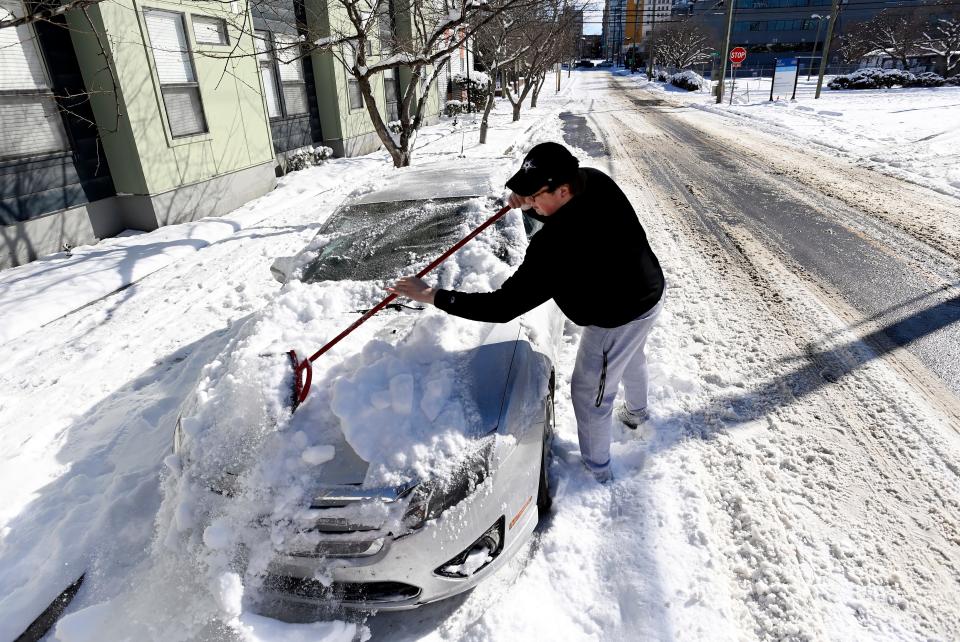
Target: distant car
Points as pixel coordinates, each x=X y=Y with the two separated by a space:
x=584 y=64
x=446 y=536
x=605 y=63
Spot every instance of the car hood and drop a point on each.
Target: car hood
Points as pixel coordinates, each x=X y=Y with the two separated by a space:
x=243 y=402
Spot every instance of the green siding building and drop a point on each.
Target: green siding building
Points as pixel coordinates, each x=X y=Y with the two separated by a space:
x=143 y=113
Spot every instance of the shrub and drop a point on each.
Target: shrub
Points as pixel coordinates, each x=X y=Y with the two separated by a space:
x=661 y=76
x=952 y=81
x=873 y=78
x=307 y=157
x=894 y=77
x=453 y=108
x=689 y=80
x=927 y=79
x=477 y=79
x=840 y=82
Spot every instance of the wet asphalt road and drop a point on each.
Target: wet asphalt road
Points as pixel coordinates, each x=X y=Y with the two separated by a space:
x=905 y=293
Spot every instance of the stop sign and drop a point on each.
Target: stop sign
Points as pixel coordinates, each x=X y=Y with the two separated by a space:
x=738 y=54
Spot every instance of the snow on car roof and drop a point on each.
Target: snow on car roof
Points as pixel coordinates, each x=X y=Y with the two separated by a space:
x=438 y=180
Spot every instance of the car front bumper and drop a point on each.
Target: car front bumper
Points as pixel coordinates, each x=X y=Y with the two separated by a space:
x=401 y=574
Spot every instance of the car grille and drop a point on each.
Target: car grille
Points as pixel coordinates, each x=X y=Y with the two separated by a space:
x=353 y=536
x=348 y=592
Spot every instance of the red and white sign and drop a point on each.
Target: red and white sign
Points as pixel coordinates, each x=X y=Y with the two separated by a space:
x=736 y=65
x=738 y=55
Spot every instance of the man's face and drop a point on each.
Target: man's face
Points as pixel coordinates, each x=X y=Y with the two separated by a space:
x=546 y=202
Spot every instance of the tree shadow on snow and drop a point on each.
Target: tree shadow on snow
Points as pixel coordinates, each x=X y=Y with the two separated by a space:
x=814 y=370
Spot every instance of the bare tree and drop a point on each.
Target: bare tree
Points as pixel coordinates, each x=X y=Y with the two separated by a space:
x=563 y=47
x=940 y=36
x=416 y=37
x=680 y=44
x=894 y=32
x=495 y=48
x=543 y=33
x=852 y=46
x=44 y=11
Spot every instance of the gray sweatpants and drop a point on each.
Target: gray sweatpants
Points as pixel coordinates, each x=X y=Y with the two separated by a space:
x=606 y=357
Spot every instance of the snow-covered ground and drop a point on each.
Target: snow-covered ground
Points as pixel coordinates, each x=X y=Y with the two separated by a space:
x=89 y=399
x=913 y=134
x=750 y=507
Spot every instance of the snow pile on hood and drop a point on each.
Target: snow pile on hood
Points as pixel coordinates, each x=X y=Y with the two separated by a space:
x=394 y=392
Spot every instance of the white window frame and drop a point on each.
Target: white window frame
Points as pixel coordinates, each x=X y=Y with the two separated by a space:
x=350 y=102
x=37 y=92
x=294 y=63
x=268 y=58
x=195 y=18
x=194 y=84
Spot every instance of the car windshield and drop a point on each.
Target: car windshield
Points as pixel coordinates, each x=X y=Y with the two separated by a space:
x=382 y=240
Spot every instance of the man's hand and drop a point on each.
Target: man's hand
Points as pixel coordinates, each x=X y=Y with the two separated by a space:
x=515 y=201
x=413 y=288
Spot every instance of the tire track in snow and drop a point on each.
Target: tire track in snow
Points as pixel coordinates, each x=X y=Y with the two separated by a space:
x=800 y=451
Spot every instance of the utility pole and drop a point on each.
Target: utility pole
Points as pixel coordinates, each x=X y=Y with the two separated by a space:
x=650 y=49
x=834 y=12
x=819 y=20
x=726 y=49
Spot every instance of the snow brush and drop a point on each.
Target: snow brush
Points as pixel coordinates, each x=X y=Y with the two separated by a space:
x=303 y=370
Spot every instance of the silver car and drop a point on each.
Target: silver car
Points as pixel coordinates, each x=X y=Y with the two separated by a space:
x=438 y=536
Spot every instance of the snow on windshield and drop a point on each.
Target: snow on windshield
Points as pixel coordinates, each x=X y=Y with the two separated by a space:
x=393 y=394
x=378 y=240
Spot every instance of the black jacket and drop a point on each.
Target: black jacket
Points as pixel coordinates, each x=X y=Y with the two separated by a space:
x=591 y=257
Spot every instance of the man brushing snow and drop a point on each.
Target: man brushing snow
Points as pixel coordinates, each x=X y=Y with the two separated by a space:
x=591 y=257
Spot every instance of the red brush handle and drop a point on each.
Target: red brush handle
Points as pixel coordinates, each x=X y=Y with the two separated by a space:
x=302 y=386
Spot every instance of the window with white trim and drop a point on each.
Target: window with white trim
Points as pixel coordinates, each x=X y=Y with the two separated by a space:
x=175 y=71
x=281 y=69
x=208 y=30
x=293 y=84
x=29 y=120
x=354 y=94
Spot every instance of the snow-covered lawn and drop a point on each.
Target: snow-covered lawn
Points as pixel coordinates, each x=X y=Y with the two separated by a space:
x=913 y=134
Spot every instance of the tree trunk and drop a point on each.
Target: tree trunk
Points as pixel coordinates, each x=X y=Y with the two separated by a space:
x=516 y=112
x=486 y=118
x=538 y=86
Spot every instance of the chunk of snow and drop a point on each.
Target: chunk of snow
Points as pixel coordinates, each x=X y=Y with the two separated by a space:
x=218 y=535
x=229 y=593
x=317 y=455
x=401 y=394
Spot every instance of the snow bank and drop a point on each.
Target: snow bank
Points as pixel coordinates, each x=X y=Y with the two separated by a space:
x=910 y=133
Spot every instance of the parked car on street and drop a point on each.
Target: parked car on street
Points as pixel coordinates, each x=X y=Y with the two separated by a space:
x=584 y=64
x=400 y=545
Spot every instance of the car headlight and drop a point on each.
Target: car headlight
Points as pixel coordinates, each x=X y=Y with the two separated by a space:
x=429 y=499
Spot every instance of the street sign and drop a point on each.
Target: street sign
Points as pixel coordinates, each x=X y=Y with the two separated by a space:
x=738 y=55
x=784 y=85
x=736 y=65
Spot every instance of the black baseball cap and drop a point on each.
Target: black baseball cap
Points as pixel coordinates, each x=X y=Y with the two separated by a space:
x=546 y=165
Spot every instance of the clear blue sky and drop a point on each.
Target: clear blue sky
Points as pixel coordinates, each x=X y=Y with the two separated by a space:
x=592 y=18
